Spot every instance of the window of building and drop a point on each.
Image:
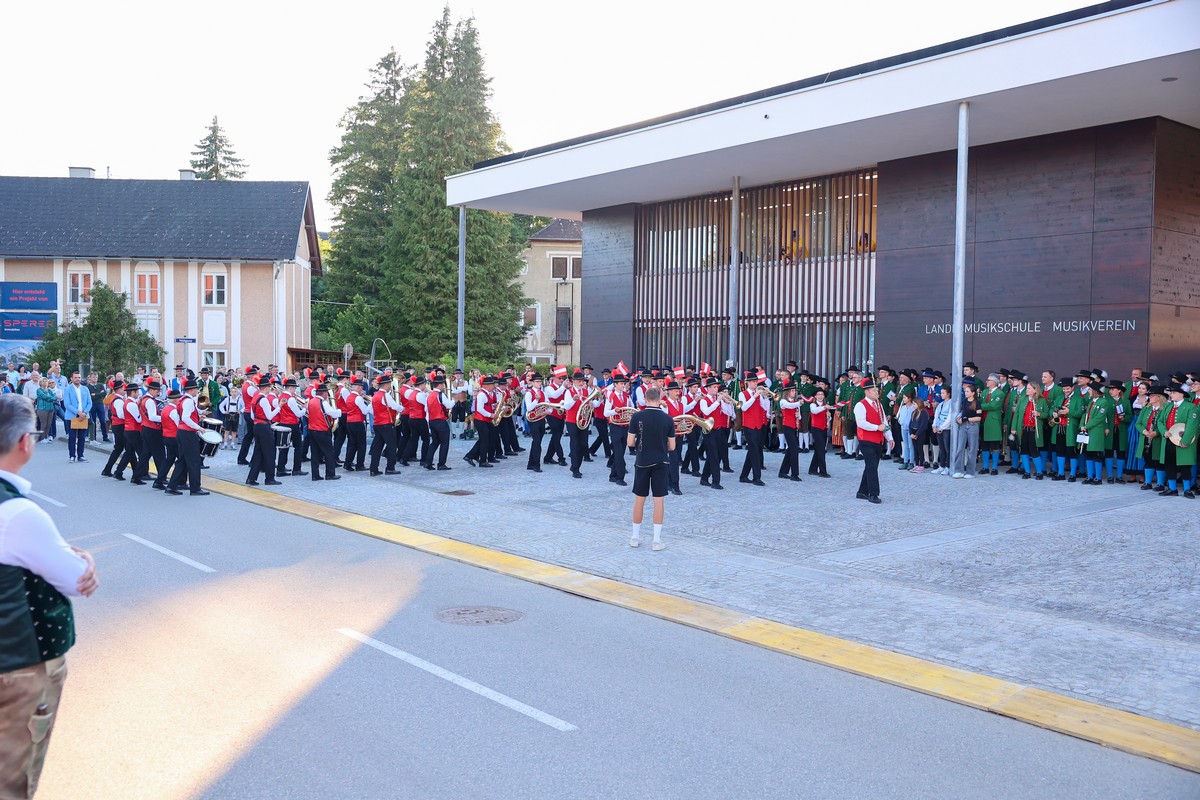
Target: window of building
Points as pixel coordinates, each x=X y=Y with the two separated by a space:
x=214 y=289
x=146 y=289
x=79 y=287
x=213 y=359
x=562 y=267
x=562 y=325
x=531 y=316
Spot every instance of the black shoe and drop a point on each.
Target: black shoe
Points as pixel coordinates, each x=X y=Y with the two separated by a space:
x=333 y=477
x=1024 y=476
x=796 y=478
x=1058 y=478
x=885 y=457
x=676 y=491
x=284 y=474
x=317 y=478
x=243 y=463
x=860 y=496
x=349 y=469
x=444 y=468
x=548 y=461
x=993 y=472
x=200 y=492
x=1190 y=494
x=375 y=473
x=1169 y=493
x=1011 y=471
x=736 y=447
x=298 y=474
x=394 y=471
x=272 y=483
x=874 y=499
x=158 y=487
x=1147 y=487
x=534 y=469
x=826 y=475
x=471 y=461
x=585 y=458
x=717 y=486
x=118 y=477
x=252 y=483
x=106 y=474
x=758 y=483
x=743 y=480
x=172 y=492
x=1071 y=479
x=726 y=469
x=858 y=456
x=576 y=474
x=1039 y=477
x=428 y=467
x=620 y=483
x=562 y=462
x=485 y=465
x=705 y=482
x=138 y=482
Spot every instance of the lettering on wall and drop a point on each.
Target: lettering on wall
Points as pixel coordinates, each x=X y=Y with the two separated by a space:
x=1036 y=326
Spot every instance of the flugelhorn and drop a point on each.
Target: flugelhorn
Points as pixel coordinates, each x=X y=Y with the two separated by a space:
x=685 y=422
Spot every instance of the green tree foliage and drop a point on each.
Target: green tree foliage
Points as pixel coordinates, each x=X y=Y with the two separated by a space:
x=364 y=168
x=108 y=338
x=395 y=240
x=215 y=159
x=450 y=128
x=357 y=324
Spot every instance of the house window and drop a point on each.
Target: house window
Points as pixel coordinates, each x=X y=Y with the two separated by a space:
x=79 y=287
x=147 y=289
x=214 y=290
x=531 y=316
x=562 y=267
x=213 y=359
x=562 y=325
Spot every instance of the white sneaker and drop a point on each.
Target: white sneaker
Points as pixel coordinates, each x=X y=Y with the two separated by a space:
x=635 y=542
x=72 y=459
x=657 y=546
x=957 y=475
x=81 y=458
x=968 y=476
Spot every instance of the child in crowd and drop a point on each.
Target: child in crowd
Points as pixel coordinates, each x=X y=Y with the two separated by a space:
x=942 y=420
x=904 y=417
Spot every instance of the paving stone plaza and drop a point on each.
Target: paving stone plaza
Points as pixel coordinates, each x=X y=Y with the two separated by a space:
x=1087 y=591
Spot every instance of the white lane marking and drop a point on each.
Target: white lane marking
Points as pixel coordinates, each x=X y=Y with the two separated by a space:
x=50 y=500
x=170 y=553
x=458 y=680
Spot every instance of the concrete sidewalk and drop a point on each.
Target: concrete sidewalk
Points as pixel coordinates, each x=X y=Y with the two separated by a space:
x=1085 y=591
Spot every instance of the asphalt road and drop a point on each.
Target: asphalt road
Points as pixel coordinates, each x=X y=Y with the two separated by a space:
x=291 y=659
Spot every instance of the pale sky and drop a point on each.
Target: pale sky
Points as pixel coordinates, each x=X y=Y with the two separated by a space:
x=128 y=86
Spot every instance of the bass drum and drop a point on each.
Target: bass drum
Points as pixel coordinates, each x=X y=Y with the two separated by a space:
x=283 y=435
x=213 y=424
x=210 y=443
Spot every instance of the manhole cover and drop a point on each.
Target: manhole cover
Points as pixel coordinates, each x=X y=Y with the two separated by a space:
x=479 y=615
x=457 y=493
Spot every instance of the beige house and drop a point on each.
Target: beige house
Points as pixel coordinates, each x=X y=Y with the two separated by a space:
x=552 y=280
x=226 y=263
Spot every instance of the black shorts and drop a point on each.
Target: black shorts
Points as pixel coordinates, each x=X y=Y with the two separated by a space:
x=652 y=479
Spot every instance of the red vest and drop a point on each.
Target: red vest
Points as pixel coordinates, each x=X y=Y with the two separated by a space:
x=489 y=403
x=755 y=418
x=260 y=416
x=789 y=416
x=352 y=411
x=246 y=396
x=145 y=403
x=118 y=417
x=380 y=408
x=412 y=404
x=573 y=411
x=169 y=427
x=131 y=424
x=316 y=415
x=561 y=399
x=433 y=406
x=286 y=415
x=820 y=421
x=674 y=408
x=874 y=417
x=194 y=414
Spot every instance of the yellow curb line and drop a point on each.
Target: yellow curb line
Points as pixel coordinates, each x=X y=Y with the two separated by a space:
x=1120 y=730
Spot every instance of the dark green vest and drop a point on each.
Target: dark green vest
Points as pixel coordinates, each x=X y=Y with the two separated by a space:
x=36 y=623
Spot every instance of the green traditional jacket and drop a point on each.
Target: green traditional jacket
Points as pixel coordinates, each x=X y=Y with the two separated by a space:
x=804 y=390
x=1189 y=415
x=889 y=403
x=1063 y=431
x=992 y=404
x=1076 y=407
x=1122 y=417
x=1055 y=399
x=1147 y=419
x=845 y=394
x=1041 y=412
x=1097 y=424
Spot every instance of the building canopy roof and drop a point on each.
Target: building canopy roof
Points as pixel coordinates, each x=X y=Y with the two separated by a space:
x=155 y=219
x=1106 y=63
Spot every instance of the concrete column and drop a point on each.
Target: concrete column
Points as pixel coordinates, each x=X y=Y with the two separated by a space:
x=960 y=263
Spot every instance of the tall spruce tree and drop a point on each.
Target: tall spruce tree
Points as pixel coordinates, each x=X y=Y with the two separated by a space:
x=215 y=159
x=364 y=168
x=449 y=128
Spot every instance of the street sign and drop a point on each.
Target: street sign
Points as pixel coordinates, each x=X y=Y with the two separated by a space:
x=347 y=351
x=184 y=340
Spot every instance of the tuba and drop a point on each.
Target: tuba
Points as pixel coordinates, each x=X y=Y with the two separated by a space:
x=623 y=415
x=684 y=424
x=542 y=410
x=583 y=418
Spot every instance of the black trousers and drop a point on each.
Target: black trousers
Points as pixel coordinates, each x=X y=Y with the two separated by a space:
x=508 y=435
x=495 y=444
x=170 y=455
x=133 y=446
x=418 y=435
x=791 y=457
x=356 y=444
x=691 y=458
x=752 y=467
x=617 y=436
x=249 y=440
x=723 y=451
x=340 y=436
x=152 y=448
x=263 y=459
x=481 y=450
x=820 y=440
x=296 y=449
x=402 y=434
x=321 y=444
x=674 y=459
x=714 y=440
x=536 y=431
x=118 y=449
x=439 y=443
x=384 y=445
x=554 y=451
x=187 y=466
x=871 y=451
x=601 y=425
x=579 y=443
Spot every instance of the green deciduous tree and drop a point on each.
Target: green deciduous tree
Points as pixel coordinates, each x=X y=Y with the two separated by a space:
x=109 y=338
x=215 y=159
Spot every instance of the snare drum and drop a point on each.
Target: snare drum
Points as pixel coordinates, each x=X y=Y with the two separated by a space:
x=213 y=424
x=283 y=435
x=210 y=443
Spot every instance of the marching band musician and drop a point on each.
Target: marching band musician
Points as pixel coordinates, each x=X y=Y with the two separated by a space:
x=599 y=421
x=263 y=410
x=579 y=436
x=617 y=399
x=508 y=426
x=321 y=411
x=555 y=393
x=460 y=392
x=383 y=411
x=170 y=424
x=1178 y=458
x=248 y=392
x=535 y=396
x=117 y=410
x=437 y=410
x=152 y=443
x=818 y=426
x=673 y=405
x=291 y=411
x=713 y=407
x=187 y=440
x=755 y=407
x=483 y=408
x=873 y=430
x=133 y=436
x=356 y=409
x=789 y=406
x=691 y=399
x=413 y=398
x=341 y=398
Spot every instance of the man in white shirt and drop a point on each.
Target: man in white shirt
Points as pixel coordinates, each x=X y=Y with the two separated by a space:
x=38 y=570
